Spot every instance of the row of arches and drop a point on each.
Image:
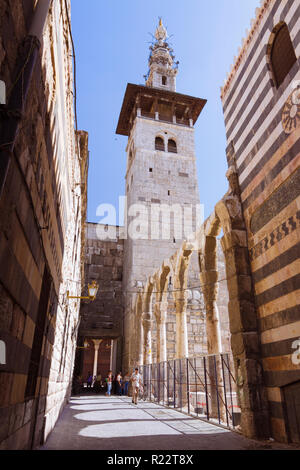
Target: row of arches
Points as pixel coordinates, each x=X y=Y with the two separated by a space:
x=160 y=145
x=151 y=303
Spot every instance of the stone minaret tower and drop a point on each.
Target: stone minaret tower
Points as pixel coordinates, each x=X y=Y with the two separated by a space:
x=161 y=170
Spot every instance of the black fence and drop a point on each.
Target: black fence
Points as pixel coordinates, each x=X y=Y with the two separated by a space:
x=200 y=386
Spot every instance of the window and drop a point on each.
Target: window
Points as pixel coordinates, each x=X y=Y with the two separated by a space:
x=159 y=144
x=282 y=55
x=164 y=80
x=172 y=147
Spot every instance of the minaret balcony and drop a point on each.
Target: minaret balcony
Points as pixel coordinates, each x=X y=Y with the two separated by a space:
x=158 y=105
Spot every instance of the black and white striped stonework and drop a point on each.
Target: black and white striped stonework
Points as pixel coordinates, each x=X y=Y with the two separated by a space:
x=267 y=158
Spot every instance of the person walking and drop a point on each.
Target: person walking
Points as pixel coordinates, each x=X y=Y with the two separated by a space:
x=126 y=384
x=119 y=384
x=89 y=380
x=109 y=383
x=136 y=380
x=97 y=384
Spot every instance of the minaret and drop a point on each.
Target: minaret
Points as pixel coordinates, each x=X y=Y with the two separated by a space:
x=161 y=173
x=162 y=73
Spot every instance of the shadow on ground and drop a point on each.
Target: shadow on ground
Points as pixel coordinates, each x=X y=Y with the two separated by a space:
x=114 y=423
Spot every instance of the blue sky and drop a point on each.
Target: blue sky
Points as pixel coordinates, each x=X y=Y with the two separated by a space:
x=112 y=48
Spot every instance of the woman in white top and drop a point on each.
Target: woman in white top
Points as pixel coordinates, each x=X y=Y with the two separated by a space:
x=119 y=384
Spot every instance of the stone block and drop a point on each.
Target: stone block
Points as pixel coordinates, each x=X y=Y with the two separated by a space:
x=18 y=440
x=28 y=411
x=28 y=332
x=18 y=388
x=18 y=322
x=6 y=380
x=240 y=287
x=6 y=310
x=5 y=413
x=242 y=316
x=237 y=262
x=245 y=344
x=16 y=417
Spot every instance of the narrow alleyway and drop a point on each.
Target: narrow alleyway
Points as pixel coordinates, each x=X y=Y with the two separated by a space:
x=113 y=423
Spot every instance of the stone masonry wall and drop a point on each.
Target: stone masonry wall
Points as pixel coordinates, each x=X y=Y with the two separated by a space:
x=40 y=228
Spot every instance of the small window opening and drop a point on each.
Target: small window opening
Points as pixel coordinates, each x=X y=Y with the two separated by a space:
x=159 y=144
x=282 y=54
x=172 y=147
x=164 y=80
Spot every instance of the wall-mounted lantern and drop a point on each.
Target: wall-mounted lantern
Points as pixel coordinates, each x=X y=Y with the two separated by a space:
x=92 y=289
x=85 y=345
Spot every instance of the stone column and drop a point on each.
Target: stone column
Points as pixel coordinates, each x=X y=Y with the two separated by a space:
x=181 y=327
x=244 y=336
x=208 y=280
x=174 y=112
x=111 y=354
x=161 y=353
x=97 y=343
x=161 y=318
x=147 y=323
x=156 y=109
x=182 y=350
x=138 y=106
x=140 y=343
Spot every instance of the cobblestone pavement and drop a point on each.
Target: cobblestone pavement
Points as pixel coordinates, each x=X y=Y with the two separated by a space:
x=114 y=423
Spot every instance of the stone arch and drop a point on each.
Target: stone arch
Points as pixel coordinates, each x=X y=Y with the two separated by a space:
x=209 y=281
x=245 y=347
x=160 y=143
x=172 y=145
x=280 y=33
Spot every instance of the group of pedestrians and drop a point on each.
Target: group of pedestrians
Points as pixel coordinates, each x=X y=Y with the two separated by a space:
x=122 y=384
x=117 y=384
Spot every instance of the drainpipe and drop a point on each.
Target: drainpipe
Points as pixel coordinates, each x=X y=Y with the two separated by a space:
x=12 y=113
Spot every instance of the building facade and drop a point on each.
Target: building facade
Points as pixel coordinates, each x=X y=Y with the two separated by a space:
x=43 y=177
x=262 y=114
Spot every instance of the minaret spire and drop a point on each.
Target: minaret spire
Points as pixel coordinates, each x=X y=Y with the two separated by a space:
x=162 y=69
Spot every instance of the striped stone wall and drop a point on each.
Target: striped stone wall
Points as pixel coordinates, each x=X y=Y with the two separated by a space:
x=267 y=156
x=40 y=230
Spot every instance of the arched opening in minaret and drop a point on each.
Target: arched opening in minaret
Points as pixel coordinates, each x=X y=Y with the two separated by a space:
x=164 y=80
x=172 y=146
x=159 y=144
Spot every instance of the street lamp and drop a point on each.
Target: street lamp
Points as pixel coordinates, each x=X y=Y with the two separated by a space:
x=85 y=345
x=92 y=289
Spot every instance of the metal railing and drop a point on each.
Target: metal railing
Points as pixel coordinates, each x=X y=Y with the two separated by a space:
x=201 y=386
